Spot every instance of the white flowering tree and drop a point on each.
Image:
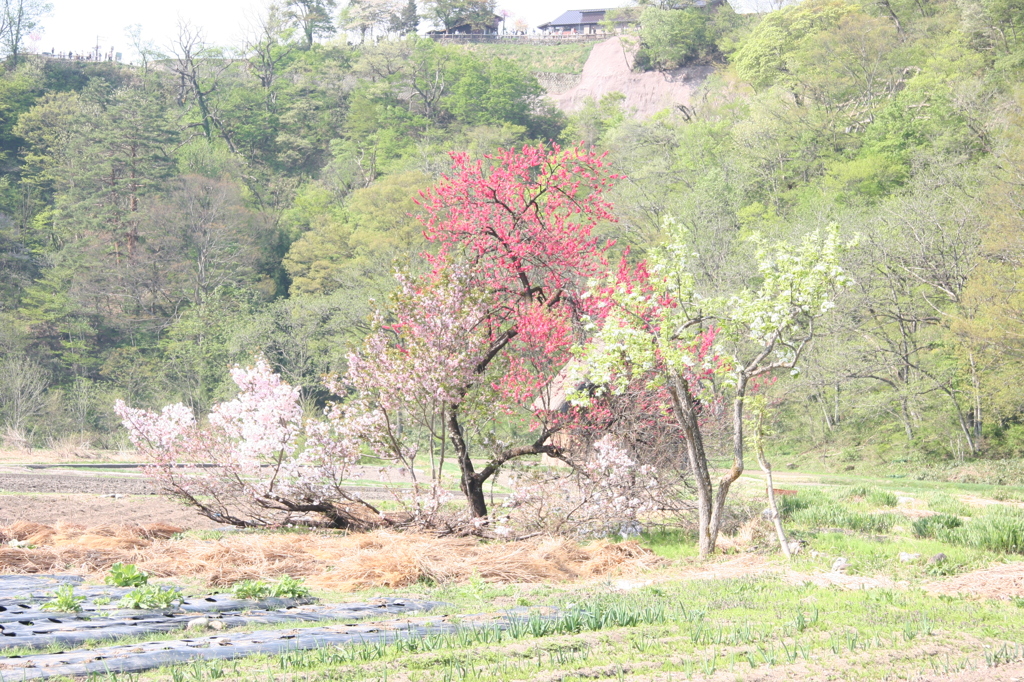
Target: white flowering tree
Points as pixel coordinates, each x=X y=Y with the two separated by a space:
x=661 y=330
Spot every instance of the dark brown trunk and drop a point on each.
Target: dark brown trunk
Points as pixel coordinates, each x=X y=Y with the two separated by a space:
x=471 y=483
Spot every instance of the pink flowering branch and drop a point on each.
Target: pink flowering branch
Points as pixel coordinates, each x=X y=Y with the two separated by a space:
x=257 y=461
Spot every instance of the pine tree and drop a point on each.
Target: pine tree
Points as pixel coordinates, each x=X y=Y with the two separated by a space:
x=407 y=21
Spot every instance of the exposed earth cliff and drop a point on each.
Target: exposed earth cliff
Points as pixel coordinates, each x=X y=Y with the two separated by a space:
x=609 y=69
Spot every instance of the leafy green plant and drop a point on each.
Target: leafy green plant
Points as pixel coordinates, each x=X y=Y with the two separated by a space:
x=250 y=589
x=101 y=601
x=151 y=597
x=288 y=587
x=65 y=599
x=126 y=575
x=999 y=529
x=788 y=504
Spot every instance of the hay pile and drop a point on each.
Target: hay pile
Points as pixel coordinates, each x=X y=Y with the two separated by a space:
x=68 y=546
x=327 y=561
x=1002 y=581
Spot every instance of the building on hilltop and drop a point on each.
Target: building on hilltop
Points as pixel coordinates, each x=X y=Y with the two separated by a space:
x=589 y=20
x=581 y=21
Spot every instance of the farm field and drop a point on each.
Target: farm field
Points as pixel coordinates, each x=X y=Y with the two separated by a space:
x=892 y=582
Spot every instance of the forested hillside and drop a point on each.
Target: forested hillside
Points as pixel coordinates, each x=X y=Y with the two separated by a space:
x=161 y=222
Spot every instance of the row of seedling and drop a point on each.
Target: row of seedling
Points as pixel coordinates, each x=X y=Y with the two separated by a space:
x=146 y=596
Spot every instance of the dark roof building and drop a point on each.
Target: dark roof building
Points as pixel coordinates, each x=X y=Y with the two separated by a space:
x=579 y=21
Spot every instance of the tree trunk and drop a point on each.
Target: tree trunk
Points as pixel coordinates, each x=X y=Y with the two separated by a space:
x=679 y=388
x=470 y=483
x=737 y=455
x=766 y=467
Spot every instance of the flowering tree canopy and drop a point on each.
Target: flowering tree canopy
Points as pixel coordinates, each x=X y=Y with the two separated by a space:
x=493 y=321
x=257 y=461
x=664 y=329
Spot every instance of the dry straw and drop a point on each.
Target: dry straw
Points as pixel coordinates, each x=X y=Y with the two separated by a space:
x=327 y=561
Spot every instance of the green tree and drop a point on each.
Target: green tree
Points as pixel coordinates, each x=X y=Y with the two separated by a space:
x=448 y=14
x=761 y=330
x=763 y=59
x=312 y=18
x=671 y=38
x=407 y=21
x=18 y=18
x=357 y=248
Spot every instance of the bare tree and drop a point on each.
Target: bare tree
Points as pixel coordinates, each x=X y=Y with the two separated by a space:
x=22 y=385
x=17 y=19
x=266 y=49
x=198 y=66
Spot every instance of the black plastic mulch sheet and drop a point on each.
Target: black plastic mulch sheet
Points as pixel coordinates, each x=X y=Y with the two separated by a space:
x=15 y=587
x=41 y=629
x=131 y=658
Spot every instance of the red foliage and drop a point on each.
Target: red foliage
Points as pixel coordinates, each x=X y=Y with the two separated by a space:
x=520 y=225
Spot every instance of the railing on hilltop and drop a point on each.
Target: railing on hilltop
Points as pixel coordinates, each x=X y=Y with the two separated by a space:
x=547 y=39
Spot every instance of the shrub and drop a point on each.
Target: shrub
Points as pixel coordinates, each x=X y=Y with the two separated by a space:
x=64 y=600
x=151 y=597
x=288 y=587
x=250 y=589
x=126 y=575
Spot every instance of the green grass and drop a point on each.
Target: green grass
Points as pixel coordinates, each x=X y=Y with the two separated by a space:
x=837 y=516
x=996 y=529
x=679 y=630
x=671 y=544
x=534 y=57
x=945 y=503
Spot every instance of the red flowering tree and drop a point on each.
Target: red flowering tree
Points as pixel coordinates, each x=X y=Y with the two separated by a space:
x=498 y=314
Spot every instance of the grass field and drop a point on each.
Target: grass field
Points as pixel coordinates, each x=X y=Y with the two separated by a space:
x=931 y=587
x=561 y=58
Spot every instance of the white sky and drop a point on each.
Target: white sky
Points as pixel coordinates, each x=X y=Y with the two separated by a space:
x=74 y=25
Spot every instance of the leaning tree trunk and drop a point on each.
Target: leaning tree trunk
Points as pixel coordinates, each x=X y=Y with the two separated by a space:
x=766 y=467
x=687 y=416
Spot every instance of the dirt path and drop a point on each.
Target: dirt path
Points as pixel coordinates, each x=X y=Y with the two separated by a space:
x=93 y=510
x=76 y=483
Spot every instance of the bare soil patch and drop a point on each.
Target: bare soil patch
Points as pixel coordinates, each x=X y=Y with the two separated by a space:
x=609 y=69
x=1002 y=581
x=89 y=483
x=94 y=510
x=70 y=453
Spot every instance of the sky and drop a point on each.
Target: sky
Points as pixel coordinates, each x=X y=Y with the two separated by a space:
x=76 y=25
